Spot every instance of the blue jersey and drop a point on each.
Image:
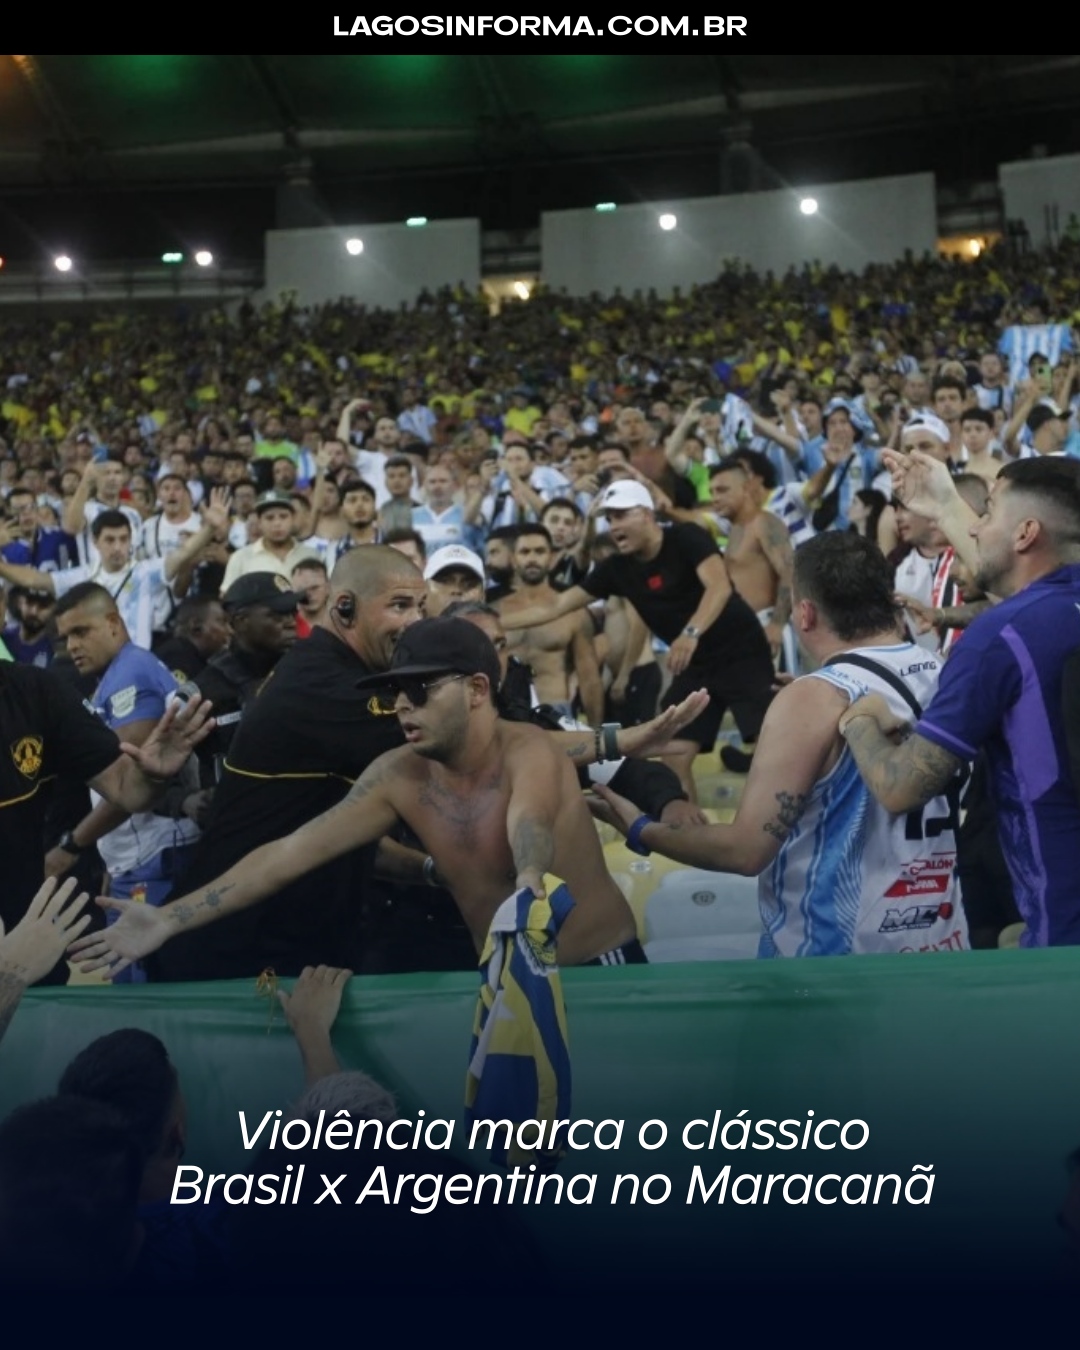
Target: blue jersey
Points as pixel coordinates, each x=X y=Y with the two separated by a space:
x=134 y=688
x=39 y=653
x=48 y=551
x=1001 y=690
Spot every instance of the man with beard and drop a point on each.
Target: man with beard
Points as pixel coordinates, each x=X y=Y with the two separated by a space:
x=678 y=583
x=27 y=638
x=1001 y=688
x=557 y=649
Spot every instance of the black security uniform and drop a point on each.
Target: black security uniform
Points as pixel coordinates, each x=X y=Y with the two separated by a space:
x=45 y=730
x=298 y=749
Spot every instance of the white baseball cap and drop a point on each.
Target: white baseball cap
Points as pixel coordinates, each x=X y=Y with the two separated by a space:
x=925 y=421
x=626 y=494
x=454 y=555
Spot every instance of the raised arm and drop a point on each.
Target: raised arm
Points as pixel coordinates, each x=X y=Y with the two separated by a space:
x=74 y=517
x=215 y=522
x=925 y=486
x=365 y=815
x=673 y=446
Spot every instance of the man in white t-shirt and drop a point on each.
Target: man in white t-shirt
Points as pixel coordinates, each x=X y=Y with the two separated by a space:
x=136 y=587
x=106 y=481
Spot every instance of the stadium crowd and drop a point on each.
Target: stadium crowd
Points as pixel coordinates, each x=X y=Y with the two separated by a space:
x=438 y=570
x=624 y=481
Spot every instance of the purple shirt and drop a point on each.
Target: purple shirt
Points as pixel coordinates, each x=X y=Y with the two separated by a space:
x=1001 y=690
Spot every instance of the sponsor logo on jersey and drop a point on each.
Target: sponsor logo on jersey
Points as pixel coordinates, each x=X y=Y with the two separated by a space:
x=915 y=916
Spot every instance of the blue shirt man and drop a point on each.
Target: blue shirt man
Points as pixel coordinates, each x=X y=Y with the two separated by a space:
x=1001 y=690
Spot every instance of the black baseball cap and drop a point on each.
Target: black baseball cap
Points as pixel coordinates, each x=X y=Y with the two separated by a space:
x=439 y=647
x=1038 y=417
x=261 y=588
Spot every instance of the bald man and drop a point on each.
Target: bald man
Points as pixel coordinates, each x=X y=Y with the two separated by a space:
x=298 y=749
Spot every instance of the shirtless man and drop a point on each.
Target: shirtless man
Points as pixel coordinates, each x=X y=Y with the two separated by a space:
x=758 y=554
x=496 y=804
x=553 y=649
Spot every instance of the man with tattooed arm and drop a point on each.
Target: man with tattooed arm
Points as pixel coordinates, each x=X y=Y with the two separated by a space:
x=838 y=873
x=496 y=804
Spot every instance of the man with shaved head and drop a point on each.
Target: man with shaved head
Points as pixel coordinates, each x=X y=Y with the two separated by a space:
x=299 y=746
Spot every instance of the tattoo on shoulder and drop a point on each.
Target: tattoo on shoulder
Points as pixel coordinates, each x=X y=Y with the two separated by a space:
x=790 y=806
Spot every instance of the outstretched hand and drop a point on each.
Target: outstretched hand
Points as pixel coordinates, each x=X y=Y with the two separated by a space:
x=165 y=751
x=41 y=936
x=140 y=930
x=923 y=484
x=651 y=737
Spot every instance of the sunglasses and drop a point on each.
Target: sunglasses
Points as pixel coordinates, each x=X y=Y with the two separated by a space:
x=415 y=690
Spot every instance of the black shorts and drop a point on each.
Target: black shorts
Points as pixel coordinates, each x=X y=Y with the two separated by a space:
x=629 y=954
x=744 y=686
x=642 y=696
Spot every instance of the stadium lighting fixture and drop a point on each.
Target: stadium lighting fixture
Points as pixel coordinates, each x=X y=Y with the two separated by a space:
x=605 y=206
x=354 y=246
x=416 y=221
x=808 y=206
x=668 y=221
x=204 y=257
x=172 y=257
x=63 y=263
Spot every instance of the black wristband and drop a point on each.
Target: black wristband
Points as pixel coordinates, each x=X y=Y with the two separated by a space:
x=611 y=745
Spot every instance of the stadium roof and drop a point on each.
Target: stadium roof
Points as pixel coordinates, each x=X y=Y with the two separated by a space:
x=383 y=137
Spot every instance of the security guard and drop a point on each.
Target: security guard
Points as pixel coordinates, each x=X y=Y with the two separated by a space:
x=262 y=616
x=47 y=730
x=300 y=745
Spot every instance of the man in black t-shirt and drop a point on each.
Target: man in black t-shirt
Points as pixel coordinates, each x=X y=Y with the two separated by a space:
x=47 y=730
x=678 y=583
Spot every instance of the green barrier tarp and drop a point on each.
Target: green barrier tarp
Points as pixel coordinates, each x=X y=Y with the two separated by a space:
x=968 y=1062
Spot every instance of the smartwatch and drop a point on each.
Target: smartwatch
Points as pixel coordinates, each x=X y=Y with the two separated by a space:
x=691 y=632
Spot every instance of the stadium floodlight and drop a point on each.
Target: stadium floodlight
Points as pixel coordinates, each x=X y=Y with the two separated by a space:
x=416 y=221
x=808 y=206
x=605 y=206
x=172 y=257
x=63 y=263
x=668 y=221
x=354 y=246
x=204 y=257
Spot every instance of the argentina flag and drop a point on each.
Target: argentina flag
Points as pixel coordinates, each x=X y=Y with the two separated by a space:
x=519 y=1063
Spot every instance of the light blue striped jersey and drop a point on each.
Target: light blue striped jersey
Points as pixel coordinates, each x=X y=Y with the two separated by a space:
x=851 y=877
